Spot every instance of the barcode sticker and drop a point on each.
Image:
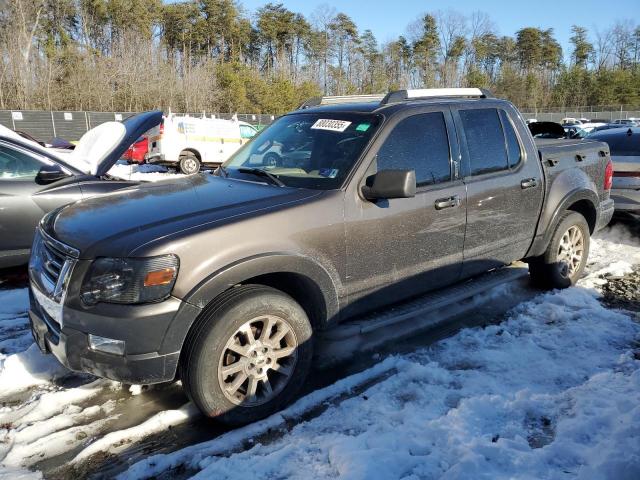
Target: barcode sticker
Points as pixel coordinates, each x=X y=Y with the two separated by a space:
x=332 y=125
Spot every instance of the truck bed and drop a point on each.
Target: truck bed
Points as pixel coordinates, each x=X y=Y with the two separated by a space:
x=559 y=155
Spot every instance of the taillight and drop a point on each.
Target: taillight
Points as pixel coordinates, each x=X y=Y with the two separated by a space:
x=161 y=130
x=608 y=175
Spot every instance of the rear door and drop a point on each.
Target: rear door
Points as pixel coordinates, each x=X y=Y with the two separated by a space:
x=504 y=188
x=400 y=247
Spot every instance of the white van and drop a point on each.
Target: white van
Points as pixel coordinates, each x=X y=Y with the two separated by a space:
x=189 y=142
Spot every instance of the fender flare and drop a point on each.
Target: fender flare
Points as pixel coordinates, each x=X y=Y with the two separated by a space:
x=575 y=195
x=241 y=271
x=195 y=151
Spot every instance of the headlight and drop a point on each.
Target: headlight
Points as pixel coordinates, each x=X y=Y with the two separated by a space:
x=129 y=280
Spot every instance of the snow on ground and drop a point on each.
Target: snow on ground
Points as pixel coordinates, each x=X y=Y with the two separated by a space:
x=552 y=392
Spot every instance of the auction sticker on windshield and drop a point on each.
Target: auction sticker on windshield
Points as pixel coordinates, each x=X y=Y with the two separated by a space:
x=332 y=125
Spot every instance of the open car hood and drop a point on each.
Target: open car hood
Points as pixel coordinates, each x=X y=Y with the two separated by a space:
x=548 y=128
x=101 y=147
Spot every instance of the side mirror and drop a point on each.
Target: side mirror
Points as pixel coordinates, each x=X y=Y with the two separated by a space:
x=390 y=184
x=49 y=174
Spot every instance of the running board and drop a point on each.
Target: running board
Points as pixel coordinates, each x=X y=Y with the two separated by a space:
x=425 y=312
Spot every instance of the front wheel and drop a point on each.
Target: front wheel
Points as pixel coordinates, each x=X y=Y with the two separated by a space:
x=563 y=263
x=248 y=354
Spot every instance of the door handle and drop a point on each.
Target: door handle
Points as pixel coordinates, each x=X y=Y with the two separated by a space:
x=529 y=183
x=448 y=202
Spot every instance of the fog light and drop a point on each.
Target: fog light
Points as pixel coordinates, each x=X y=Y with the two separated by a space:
x=106 y=345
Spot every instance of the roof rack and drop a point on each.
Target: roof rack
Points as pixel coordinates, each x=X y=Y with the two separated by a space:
x=405 y=95
x=400 y=96
x=338 y=99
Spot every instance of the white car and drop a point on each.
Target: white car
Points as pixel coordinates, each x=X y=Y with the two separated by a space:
x=570 y=121
x=189 y=142
x=584 y=129
x=627 y=122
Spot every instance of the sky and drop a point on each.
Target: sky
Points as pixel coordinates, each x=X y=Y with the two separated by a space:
x=387 y=19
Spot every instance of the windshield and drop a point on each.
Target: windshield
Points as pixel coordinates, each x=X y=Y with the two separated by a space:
x=306 y=150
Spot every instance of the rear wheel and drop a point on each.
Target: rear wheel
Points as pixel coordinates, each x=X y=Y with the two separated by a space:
x=248 y=354
x=189 y=163
x=563 y=263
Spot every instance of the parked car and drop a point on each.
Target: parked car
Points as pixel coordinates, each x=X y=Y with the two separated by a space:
x=189 y=142
x=625 y=153
x=137 y=153
x=570 y=121
x=226 y=278
x=628 y=122
x=34 y=181
x=61 y=144
x=573 y=131
x=584 y=129
x=547 y=130
x=606 y=126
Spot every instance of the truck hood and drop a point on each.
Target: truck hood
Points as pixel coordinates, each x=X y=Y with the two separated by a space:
x=117 y=223
x=101 y=147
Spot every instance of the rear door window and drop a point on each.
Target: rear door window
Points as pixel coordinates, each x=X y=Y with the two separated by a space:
x=485 y=140
x=419 y=143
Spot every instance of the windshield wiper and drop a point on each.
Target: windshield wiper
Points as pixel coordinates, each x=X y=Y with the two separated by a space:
x=223 y=170
x=258 y=172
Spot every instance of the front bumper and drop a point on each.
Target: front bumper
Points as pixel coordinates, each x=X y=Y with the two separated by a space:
x=146 y=324
x=71 y=348
x=155 y=158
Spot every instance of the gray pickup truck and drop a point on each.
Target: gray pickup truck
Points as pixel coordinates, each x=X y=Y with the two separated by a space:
x=223 y=279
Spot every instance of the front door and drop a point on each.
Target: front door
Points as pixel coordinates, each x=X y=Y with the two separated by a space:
x=398 y=248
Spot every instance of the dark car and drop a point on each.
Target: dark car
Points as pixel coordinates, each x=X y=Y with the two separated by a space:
x=34 y=180
x=625 y=153
x=607 y=126
x=225 y=280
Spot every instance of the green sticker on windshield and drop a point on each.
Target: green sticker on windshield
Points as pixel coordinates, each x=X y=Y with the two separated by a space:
x=363 y=127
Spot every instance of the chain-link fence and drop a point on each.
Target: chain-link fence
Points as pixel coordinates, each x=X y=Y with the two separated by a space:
x=592 y=115
x=72 y=125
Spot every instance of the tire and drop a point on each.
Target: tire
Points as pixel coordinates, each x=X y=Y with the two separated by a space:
x=271 y=159
x=553 y=269
x=189 y=163
x=223 y=326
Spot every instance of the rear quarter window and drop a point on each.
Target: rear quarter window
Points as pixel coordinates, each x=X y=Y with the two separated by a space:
x=514 y=150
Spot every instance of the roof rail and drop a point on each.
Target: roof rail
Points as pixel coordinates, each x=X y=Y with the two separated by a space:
x=337 y=99
x=405 y=95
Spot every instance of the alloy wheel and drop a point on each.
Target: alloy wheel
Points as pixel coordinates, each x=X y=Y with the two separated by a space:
x=258 y=360
x=570 y=251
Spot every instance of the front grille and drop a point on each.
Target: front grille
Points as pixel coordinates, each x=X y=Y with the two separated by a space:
x=50 y=268
x=52 y=262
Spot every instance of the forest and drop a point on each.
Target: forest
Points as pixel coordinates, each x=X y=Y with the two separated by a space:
x=215 y=55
